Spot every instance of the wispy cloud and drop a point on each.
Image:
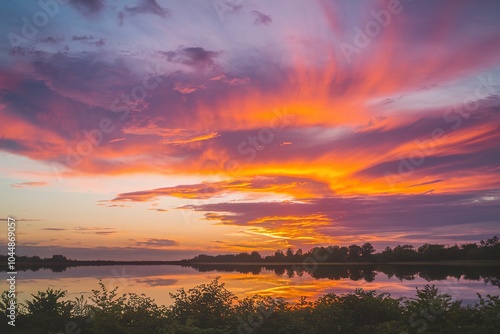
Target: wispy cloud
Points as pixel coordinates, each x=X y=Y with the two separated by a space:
x=261 y=18
x=158 y=209
x=29 y=184
x=143 y=7
x=96 y=230
x=155 y=243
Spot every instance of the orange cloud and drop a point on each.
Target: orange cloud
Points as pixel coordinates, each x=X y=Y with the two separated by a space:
x=295 y=186
x=29 y=184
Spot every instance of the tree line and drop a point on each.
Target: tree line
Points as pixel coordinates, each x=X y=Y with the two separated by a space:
x=58 y=259
x=485 y=250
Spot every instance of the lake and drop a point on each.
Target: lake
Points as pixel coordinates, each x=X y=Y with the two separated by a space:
x=291 y=282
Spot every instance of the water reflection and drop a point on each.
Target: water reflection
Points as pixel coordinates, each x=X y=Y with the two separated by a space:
x=488 y=274
x=291 y=282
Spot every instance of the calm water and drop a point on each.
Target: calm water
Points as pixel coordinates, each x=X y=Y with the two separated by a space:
x=157 y=281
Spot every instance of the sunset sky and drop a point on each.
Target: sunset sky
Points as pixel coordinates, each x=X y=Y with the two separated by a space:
x=155 y=129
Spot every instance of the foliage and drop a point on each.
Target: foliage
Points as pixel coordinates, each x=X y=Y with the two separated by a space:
x=212 y=309
x=205 y=306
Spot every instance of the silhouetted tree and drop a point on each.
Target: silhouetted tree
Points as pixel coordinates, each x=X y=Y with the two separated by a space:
x=279 y=256
x=366 y=251
x=354 y=252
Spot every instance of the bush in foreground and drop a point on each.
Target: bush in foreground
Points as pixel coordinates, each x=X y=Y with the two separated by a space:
x=212 y=309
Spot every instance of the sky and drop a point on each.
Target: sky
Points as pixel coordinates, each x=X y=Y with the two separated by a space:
x=155 y=129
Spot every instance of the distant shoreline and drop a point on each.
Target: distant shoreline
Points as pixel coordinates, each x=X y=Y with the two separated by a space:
x=77 y=263
x=439 y=262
